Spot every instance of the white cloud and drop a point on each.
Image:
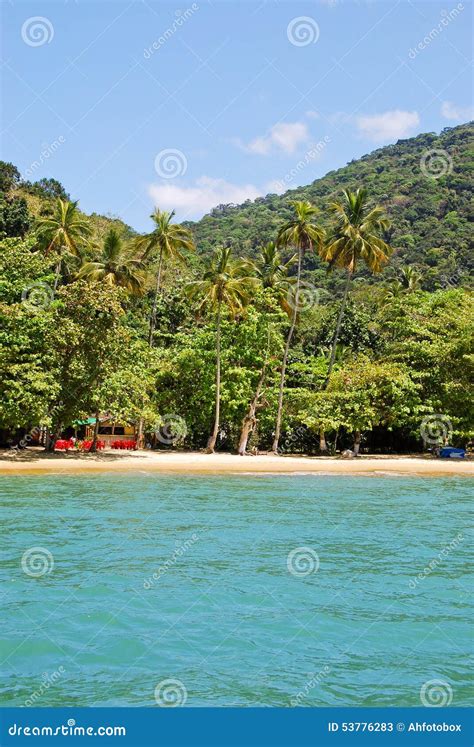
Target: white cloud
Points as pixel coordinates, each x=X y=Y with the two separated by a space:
x=285 y=137
x=276 y=187
x=197 y=199
x=459 y=113
x=388 y=126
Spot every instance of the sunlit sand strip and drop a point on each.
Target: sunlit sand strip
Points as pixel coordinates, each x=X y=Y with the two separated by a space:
x=35 y=462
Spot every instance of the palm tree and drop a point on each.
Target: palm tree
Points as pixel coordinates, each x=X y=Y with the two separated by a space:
x=66 y=231
x=272 y=272
x=226 y=284
x=408 y=282
x=115 y=266
x=355 y=238
x=410 y=278
x=165 y=243
x=302 y=234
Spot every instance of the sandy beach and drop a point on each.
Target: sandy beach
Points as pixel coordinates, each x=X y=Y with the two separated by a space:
x=35 y=461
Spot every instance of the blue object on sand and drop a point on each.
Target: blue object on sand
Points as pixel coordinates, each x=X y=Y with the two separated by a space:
x=450 y=452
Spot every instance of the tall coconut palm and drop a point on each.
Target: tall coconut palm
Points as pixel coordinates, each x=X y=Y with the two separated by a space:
x=355 y=239
x=302 y=234
x=226 y=285
x=166 y=242
x=116 y=265
x=272 y=272
x=66 y=232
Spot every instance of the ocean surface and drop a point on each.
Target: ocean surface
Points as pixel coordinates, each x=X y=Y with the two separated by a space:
x=247 y=590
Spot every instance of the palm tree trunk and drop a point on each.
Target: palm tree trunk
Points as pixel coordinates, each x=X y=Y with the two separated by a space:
x=357 y=439
x=56 y=277
x=139 y=437
x=140 y=431
x=53 y=437
x=213 y=437
x=155 y=301
x=323 y=449
x=285 y=357
x=249 y=421
x=93 y=447
x=338 y=328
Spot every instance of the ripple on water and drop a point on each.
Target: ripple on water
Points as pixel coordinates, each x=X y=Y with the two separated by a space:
x=160 y=577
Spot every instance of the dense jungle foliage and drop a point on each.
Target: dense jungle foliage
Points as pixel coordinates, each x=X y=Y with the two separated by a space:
x=312 y=321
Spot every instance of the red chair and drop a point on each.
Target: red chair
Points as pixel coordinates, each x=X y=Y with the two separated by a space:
x=63 y=444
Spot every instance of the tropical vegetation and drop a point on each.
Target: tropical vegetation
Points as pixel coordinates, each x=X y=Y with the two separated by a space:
x=345 y=322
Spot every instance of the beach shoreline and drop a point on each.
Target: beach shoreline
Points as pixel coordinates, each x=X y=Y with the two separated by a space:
x=36 y=461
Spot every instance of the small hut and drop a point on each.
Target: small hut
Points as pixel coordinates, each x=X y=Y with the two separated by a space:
x=109 y=430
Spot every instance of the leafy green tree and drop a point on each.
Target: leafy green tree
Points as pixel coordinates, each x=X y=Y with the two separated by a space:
x=48 y=188
x=432 y=335
x=10 y=177
x=125 y=390
x=27 y=361
x=15 y=219
x=84 y=337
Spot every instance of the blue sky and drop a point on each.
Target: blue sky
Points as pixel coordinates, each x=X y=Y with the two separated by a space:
x=191 y=104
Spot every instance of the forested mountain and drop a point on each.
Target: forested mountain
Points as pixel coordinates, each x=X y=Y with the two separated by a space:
x=432 y=215
x=424 y=183
x=194 y=347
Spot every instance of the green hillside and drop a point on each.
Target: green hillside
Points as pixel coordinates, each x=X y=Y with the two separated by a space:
x=94 y=320
x=431 y=217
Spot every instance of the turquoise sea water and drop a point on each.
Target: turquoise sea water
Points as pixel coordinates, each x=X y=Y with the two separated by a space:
x=248 y=590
